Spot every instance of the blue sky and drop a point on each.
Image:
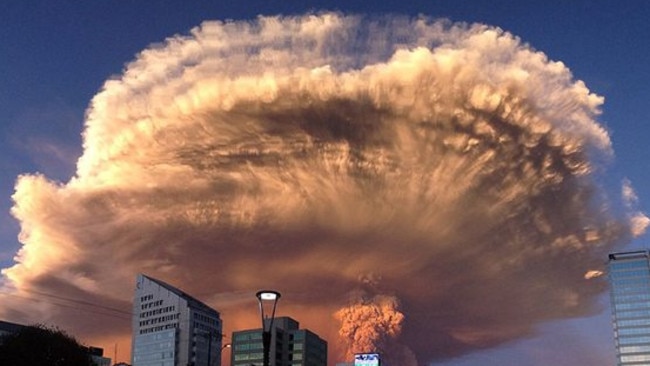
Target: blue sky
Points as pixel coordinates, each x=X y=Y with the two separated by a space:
x=56 y=55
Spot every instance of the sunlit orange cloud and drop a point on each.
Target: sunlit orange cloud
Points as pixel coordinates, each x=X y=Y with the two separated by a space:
x=438 y=175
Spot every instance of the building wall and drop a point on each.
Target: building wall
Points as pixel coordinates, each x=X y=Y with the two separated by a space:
x=629 y=275
x=171 y=328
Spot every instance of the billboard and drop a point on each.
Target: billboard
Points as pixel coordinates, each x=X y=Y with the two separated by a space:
x=366 y=359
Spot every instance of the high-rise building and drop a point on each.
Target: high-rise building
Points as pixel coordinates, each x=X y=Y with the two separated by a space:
x=290 y=346
x=629 y=276
x=171 y=328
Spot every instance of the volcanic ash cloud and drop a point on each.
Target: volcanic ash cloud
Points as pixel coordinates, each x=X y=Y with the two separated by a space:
x=452 y=164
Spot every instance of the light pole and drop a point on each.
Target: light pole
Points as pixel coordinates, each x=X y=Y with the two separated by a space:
x=227 y=345
x=267 y=296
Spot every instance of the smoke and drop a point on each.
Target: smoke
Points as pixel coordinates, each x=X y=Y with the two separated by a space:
x=373 y=325
x=452 y=161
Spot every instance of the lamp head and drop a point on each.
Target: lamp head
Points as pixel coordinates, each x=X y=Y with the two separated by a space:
x=268 y=295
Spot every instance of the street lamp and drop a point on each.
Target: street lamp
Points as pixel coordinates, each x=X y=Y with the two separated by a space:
x=268 y=297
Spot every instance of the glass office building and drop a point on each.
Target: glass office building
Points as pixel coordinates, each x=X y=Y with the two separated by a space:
x=290 y=346
x=629 y=275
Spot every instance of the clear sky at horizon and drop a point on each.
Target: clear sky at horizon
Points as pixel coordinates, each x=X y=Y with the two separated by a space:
x=56 y=55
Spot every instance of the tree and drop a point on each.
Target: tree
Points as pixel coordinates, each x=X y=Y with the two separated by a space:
x=39 y=345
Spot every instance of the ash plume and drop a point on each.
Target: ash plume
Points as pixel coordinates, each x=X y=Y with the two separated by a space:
x=373 y=324
x=453 y=161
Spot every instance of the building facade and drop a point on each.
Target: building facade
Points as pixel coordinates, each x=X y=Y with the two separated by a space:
x=629 y=276
x=171 y=328
x=290 y=346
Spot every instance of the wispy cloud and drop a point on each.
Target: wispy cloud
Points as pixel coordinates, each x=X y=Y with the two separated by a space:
x=47 y=138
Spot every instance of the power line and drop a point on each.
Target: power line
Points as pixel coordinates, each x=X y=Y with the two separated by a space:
x=82 y=302
x=120 y=314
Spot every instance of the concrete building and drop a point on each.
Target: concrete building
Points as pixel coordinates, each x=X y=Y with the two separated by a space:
x=171 y=328
x=629 y=275
x=290 y=346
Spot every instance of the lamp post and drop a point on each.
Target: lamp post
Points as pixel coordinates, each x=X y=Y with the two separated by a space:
x=227 y=345
x=268 y=297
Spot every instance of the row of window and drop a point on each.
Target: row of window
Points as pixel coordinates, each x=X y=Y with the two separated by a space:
x=154 y=347
x=621 y=265
x=166 y=309
x=632 y=297
x=633 y=314
x=636 y=281
x=152 y=304
x=155 y=337
x=632 y=331
x=632 y=273
x=247 y=346
x=146 y=298
x=153 y=356
x=633 y=340
x=635 y=358
x=634 y=349
x=633 y=306
x=248 y=336
x=632 y=322
x=249 y=356
x=206 y=319
x=206 y=328
x=160 y=319
x=630 y=289
x=158 y=328
x=297 y=336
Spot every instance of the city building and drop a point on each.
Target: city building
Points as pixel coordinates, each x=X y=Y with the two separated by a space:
x=290 y=346
x=629 y=276
x=96 y=353
x=171 y=328
x=7 y=328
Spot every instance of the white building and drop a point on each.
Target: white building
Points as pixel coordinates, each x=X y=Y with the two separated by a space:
x=171 y=328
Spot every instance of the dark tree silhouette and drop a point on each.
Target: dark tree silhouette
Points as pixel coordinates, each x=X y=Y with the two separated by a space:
x=39 y=345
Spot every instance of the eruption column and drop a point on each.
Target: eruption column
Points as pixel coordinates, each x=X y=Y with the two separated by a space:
x=452 y=160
